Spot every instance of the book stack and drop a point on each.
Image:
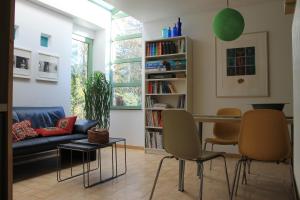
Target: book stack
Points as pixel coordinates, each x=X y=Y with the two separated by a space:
x=161 y=87
x=153 y=118
x=165 y=47
x=154 y=139
x=149 y=102
x=181 y=102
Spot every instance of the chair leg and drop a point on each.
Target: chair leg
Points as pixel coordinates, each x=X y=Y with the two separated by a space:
x=157 y=174
x=238 y=178
x=226 y=172
x=295 y=194
x=181 y=175
x=200 y=164
x=244 y=180
x=238 y=164
x=249 y=166
x=212 y=149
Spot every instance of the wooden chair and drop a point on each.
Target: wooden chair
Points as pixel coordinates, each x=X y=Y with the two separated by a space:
x=264 y=136
x=225 y=133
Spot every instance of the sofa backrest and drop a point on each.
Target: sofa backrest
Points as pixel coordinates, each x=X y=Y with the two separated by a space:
x=40 y=117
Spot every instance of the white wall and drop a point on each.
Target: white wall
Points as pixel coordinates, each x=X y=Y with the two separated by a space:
x=296 y=73
x=263 y=17
x=32 y=21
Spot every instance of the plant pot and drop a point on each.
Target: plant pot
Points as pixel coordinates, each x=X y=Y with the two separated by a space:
x=98 y=135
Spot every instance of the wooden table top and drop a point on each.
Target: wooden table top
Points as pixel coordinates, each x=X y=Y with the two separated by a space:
x=216 y=118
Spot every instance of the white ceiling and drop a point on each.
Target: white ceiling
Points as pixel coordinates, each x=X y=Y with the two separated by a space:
x=149 y=10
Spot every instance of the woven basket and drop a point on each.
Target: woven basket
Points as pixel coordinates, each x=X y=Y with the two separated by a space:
x=98 y=135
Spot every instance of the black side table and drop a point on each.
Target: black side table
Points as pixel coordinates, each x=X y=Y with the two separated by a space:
x=86 y=148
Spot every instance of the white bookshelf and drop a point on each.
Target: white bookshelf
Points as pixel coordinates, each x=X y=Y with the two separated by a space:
x=175 y=76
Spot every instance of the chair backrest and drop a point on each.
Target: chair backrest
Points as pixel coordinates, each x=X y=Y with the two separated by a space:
x=264 y=135
x=227 y=131
x=180 y=136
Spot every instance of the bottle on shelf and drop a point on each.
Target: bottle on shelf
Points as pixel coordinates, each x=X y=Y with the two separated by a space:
x=169 y=32
x=179 y=26
x=175 y=31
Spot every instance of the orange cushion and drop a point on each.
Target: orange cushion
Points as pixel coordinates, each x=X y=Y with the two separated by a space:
x=67 y=123
x=51 y=131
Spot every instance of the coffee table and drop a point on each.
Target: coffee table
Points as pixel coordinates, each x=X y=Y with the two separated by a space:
x=86 y=148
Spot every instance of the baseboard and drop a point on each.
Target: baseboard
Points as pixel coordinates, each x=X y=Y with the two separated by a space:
x=131 y=147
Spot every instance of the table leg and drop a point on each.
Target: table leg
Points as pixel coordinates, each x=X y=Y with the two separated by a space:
x=112 y=160
x=116 y=157
x=125 y=156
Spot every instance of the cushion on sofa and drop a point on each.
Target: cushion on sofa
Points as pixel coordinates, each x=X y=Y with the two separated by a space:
x=82 y=126
x=67 y=123
x=40 y=117
x=51 y=131
x=22 y=130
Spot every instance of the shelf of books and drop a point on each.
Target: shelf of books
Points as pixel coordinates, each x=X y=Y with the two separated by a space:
x=168 y=84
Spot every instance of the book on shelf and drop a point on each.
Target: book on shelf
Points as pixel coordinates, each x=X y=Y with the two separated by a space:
x=181 y=102
x=154 y=139
x=161 y=76
x=160 y=87
x=153 y=118
x=165 y=65
x=165 y=47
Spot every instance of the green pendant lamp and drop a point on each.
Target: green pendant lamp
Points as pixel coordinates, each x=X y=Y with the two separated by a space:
x=228 y=24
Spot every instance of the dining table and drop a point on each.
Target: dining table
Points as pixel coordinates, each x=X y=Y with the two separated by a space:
x=200 y=119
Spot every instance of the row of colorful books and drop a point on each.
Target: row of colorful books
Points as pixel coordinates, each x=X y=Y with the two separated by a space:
x=154 y=140
x=153 y=118
x=160 y=87
x=173 y=64
x=166 y=47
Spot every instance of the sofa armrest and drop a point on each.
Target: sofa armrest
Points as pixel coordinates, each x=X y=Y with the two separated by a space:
x=82 y=126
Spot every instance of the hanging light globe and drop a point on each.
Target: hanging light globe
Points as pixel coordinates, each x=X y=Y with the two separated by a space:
x=228 y=24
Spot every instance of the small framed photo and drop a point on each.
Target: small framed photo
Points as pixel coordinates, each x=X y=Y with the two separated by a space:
x=47 y=67
x=22 y=63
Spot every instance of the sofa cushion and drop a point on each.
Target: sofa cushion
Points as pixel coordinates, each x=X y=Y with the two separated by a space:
x=40 y=117
x=82 y=126
x=67 y=123
x=39 y=144
x=51 y=131
x=22 y=130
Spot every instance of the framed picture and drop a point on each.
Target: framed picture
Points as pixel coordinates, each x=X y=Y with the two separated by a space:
x=47 y=67
x=22 y=63
x=242 y=66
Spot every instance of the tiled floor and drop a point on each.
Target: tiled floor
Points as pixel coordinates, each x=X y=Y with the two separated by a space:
x=38 y=181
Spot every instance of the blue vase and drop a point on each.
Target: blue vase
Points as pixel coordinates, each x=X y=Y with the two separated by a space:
x=169 y=32
x=175 y=31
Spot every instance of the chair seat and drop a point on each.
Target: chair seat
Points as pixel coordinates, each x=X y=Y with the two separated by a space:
x=221 y=141
x=208 y=155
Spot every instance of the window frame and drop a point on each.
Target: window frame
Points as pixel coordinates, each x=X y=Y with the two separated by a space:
x=117 y=15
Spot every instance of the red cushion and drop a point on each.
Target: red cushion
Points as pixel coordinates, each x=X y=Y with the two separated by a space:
x=67 y=123
x=51 y=131
x=22 y=130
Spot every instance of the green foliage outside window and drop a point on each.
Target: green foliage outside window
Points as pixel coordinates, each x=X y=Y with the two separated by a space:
x=126 y=62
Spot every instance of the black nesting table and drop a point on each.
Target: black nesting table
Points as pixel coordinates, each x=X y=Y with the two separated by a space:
x=86 y=148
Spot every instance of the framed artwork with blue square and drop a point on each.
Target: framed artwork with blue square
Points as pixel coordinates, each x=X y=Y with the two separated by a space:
x=242 y=66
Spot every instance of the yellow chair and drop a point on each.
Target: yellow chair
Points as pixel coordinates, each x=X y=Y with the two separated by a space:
x=181 y=141
x=225 y=133
x=264 y=136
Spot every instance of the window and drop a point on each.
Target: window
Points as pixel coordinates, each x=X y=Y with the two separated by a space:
x=126 y=61
x=81 y=68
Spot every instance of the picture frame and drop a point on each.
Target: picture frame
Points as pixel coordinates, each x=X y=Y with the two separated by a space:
x=242 y=66
x=48 y=66
x=22 y=63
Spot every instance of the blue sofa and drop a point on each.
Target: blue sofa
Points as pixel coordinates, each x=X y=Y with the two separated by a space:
x=42 y=117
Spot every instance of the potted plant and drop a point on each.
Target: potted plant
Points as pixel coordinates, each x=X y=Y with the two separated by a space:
x=97 y=94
